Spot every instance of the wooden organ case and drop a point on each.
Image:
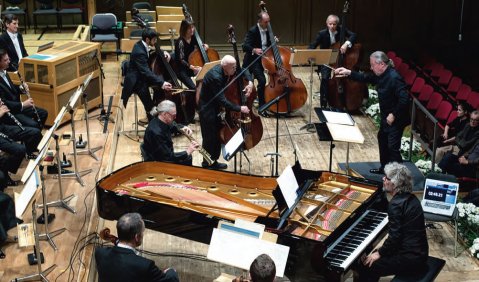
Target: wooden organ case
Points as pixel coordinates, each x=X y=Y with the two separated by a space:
x=54 y=74
x=189 y=202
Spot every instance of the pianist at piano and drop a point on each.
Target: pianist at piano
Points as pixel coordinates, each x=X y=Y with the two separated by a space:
x=123 y=262
x=157 y=144
x=406 y=248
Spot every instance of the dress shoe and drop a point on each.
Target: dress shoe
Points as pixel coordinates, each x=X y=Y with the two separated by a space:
x=215 y=165
x=377 y=170
x=31 y=156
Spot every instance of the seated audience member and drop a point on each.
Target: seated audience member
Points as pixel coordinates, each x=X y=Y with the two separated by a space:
x=451 y=129
x=262 y=269
x=123 y=262
x=158 y=145
x=465 y=165
x=468 y=136
x=406 y=249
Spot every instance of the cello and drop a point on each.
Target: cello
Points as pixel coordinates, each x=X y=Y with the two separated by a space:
x=200 y=56
x=250 y=124
x=281 y=77
x=346 y=93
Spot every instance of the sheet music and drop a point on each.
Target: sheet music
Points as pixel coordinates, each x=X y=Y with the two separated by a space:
x=240 y=251
x=338 y=118
x=233 y=145
x=26 y=195
x=345 y=133
x=288 y=185
x=256 y=227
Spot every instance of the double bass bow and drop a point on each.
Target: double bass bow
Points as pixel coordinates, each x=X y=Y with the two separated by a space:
x=346 y=93
x=250 y=124
x=281 y=78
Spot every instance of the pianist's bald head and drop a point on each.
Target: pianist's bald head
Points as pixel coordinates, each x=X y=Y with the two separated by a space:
x=262 y=269
x=130 y=228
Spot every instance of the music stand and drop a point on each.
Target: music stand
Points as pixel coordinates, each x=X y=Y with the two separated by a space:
x=205 y=69
x=40 y=275
x=168 y=30
x=88 y=151
x=337 y=127
x=312 y=58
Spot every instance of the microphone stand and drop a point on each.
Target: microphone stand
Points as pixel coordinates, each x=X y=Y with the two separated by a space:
x=103 y=115
x=264 y=108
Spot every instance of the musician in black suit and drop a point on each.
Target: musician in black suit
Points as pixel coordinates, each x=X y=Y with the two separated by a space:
x=10 y=95
x=212 y=99
x=30 y=136
x=139 y=76
x=256 y=41
x=325 y=39
x=12 y=41
x=123 y=262
x=157 y=143
x=406 y=249
x=393 y=104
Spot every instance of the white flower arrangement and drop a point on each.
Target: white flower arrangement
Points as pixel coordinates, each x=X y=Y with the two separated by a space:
x=425 y=166
x=405 y=143
x=469 y=226
x=373 y=110
x=373 y=94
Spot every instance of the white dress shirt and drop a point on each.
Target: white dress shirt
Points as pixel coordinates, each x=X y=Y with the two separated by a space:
x=16 y=44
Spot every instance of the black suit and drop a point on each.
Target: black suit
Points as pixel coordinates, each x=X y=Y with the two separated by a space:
x=210 y=106
x=121 y=264
x=406 y=248
x=14 y=157
x=393 y=98
x=10 y=95
x=251 y=41
x=139 y=77
x=323 y=40
x=7 y=213
x=158 y=145
x=7 y=43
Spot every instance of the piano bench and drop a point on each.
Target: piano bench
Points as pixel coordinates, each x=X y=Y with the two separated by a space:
x=434 y=266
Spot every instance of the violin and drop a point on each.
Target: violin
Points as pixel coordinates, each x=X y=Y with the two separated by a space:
x=250 y=124
x=281 y=77
x=346 y=93
x=107 y=236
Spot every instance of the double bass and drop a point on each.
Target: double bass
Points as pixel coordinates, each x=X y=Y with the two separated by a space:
x=346 y=93
x=184 y=100
x=281 y=77
x=250 y=124
x=200 y=56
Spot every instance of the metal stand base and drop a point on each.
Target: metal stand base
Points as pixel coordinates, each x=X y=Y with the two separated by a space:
x=78 y=175
x=38 y=276
x=134 y=124
x=309 y=127
x=49 y=237
x=90 y=151
x=62 y=203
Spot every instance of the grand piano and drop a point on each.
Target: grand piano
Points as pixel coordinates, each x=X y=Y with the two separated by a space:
x=334 y=221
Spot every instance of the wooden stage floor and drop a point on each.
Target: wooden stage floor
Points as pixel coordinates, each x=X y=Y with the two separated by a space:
x=74 y=257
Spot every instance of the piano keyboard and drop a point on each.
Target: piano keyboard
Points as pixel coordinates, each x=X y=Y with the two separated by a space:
x=344 y=251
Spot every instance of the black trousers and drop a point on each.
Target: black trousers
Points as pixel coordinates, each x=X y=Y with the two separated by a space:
x=28 y=117
x=450 y=164
x=257 y=71
x=324 y=88
x=389 y=140
x=210 y=127
x=15 y=153
x=31 y=136
x=386 y=266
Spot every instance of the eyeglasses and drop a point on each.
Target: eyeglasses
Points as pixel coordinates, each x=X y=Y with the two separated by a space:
x=387 y=178
x=172 y=115
x=474 y=119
